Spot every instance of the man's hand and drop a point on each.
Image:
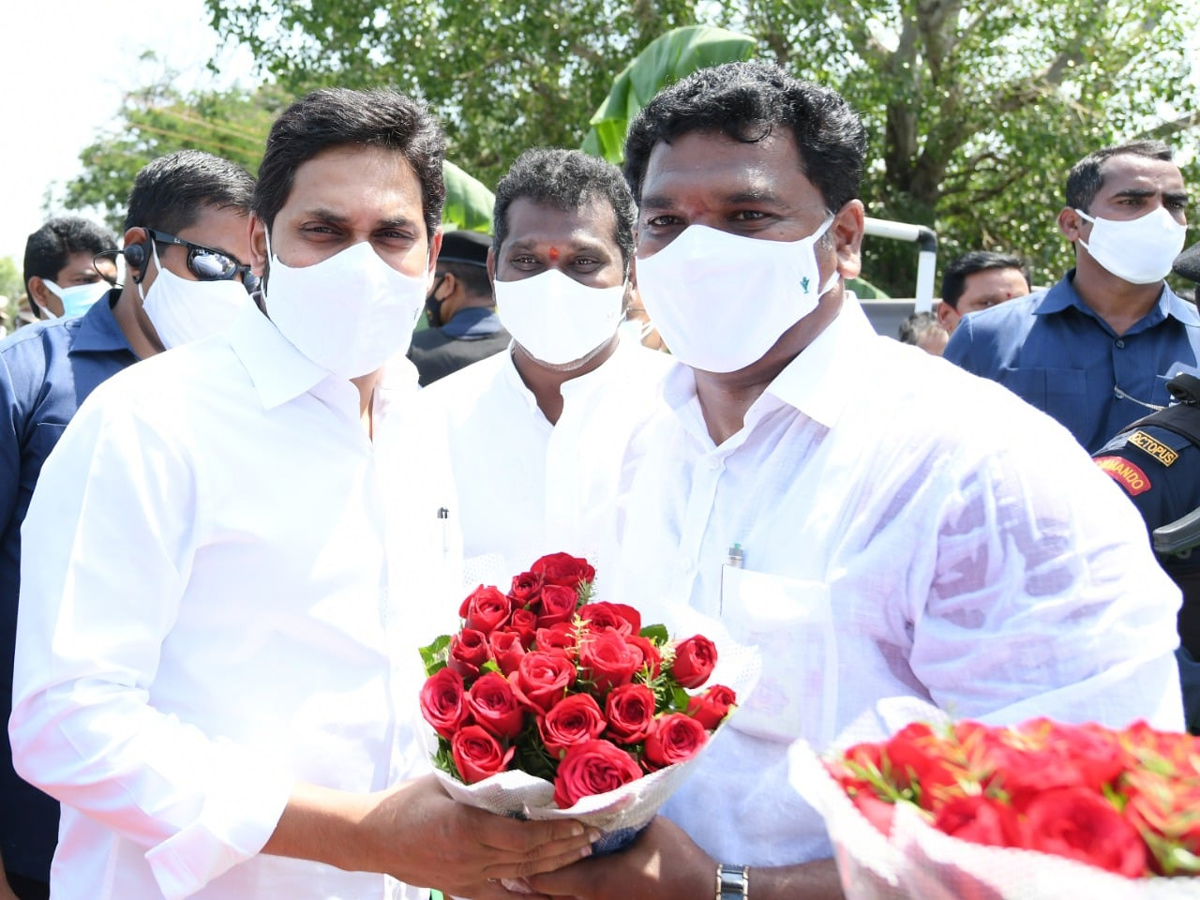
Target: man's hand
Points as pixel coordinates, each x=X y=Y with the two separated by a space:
x=664 y=864
x=416 y=833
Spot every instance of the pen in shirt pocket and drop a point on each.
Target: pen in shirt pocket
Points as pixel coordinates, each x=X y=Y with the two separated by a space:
x=443 y=515
x=736 y=557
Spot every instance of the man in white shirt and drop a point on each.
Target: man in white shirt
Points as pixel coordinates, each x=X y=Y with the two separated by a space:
x=203 y=675
x=539 y=438
x=880 y=526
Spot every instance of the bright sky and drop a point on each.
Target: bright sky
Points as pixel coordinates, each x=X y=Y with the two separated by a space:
x=65 y=68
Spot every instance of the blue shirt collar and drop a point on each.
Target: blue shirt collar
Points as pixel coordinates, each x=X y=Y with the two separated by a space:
x=472 y=323
x=1063 y=296
x=98 y=331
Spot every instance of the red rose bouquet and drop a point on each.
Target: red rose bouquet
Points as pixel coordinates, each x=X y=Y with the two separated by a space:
x=1041 y=810
x=548 y=703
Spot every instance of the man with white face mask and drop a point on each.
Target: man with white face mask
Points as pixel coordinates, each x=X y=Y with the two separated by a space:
x=539 y=436
x=68 y=266
x=806 y=493
x=48 y=369
x=1096 y=350
x=205 y=675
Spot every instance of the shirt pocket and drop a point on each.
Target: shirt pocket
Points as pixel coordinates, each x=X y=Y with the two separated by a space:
x=790 y=621
x=41 y=442
x=1060 y=393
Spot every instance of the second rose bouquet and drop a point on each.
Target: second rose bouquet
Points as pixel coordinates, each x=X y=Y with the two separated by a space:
x=546 y=702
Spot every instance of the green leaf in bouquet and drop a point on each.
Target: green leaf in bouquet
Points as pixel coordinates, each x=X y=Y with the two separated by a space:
x=531 y=754
x=586 y=593
x=435 y=655
x=680 y=699
x=656 y=634
x=490 y=666
x=444 y=759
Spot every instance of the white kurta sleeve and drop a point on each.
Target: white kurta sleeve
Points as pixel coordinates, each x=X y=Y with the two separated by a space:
x=1046 y=598
x=109 y=540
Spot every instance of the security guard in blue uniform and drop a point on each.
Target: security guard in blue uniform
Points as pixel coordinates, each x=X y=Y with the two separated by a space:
x=1156 y=461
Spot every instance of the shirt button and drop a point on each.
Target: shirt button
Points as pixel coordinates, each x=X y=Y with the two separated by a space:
x=1120 y=344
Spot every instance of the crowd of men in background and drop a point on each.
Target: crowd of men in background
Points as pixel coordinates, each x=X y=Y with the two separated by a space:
x=217 y=563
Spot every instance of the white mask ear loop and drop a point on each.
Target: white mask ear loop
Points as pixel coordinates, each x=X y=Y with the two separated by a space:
x=157 y=266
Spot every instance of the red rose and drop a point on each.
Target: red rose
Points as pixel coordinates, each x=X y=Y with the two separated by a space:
x=981 y=820
x=607 y=660
x=524 y=623
x=878 y=812
x=556 y=604
x=1078 y=824
x=651 y=658
x=485 y=609
x=564 y=569
x=525 y=589
x=542 y=679
x=494 y=706
x=506 y=649
x=674 y=738
x=574 y=720
x=694 y=661
x=442 y=702
x=916 y=758
x=711 y=707
x=592 y=768
x=561 y=638
x=630 y=712
x=618 y=616
x=468 y=652
x=477 y=754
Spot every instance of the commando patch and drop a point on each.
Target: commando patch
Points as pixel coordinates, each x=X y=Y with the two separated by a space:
x=1157 y=449
x=1124 y=473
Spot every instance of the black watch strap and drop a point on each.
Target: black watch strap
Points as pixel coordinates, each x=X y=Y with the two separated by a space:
x=733 y=882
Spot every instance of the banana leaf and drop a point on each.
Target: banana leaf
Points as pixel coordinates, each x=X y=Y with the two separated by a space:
x=468 y=203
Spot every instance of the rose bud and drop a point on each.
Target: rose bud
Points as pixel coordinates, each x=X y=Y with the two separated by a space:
x=561 y=638
x=555 y=605
x=592 y=768
x=651 y=658
x=564 y=569
x=572 y=721
x=485 y=610
x=524 y=622
x=607 y=660
x=630 y=713
x=525 y=589
x=542 y=679
x=477 y=754
x=494 y=706
x=694 y=661
x=617 y=616
x=442 y=702
x=674 y=738
x=506 y=649
x=468 y=652
x=711 y=707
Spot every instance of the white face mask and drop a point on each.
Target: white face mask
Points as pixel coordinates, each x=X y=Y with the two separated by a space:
x=76 y=300
x=182 y=310
x=720 y=301
x=1140 y=250
x=557 y=319
x=635 y=330
x=349 y=313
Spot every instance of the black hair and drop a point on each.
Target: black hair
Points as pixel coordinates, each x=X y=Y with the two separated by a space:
x=565 y=180
x=747 y=101
x=171 y=191
x=474 y=278
x=337 y=117
x=49 y=248
x=1086 y=179
x=916 y=325
x=954 y=282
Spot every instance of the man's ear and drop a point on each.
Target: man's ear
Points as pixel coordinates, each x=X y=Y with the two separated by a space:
x=258 y=245
x=435 y=249
x=491 y=268
x=1071 y=224
x=847 y=232
x=42 y=296
x=947 y=317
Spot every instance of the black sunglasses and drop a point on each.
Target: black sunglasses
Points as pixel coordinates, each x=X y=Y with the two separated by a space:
x=208 y=264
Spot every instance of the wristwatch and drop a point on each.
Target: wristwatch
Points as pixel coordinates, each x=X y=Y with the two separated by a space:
x=733 y=882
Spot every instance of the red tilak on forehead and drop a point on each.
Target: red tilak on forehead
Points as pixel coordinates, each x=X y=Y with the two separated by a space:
x=553 y=254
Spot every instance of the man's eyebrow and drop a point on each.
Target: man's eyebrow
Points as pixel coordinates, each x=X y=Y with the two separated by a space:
x=325 y=215
x=1177 y=196
x=749 y=195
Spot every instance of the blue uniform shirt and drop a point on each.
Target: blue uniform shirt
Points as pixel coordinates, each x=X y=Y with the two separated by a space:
x=1055 y=353
x=46 y=371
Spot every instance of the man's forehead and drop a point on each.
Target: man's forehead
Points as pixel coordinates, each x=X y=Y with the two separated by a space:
x=590 y=224
x=728 y=169
x=1129 y=172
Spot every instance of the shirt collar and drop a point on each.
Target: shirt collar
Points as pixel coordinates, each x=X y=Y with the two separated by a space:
x=98 y=329
x=818 y=382
x=278 y=370
x=473 y=322
x=1063 y=296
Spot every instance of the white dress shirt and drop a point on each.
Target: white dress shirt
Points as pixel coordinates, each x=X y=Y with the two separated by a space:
x=906 y=529
x=525 y=487
x=204 y=622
